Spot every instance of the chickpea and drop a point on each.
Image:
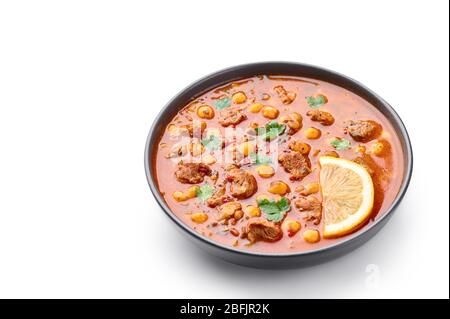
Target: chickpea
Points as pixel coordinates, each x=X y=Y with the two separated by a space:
x=196 y=149
x=311 y=236
x=265 y=96
x=310 y=189
x=304 y=148
x=247 y=148
x=229 y=210
x=294 y=121
x=205 y=112
x=291 y=227
x=312 y=133
x=331 y=154
x=378 y=148
x=252 y=211
x=296 y=116
x=300 y=147
x=209 y=159
x=199 y=218
x=294 y=125
x=270 y=112
x=179 y=196
x=360 y=149
x=191 y=192
x=238 y=214
x=279 y=188
x=255 y=108
x=254 y=125
x=239 y=97
x=265 y=171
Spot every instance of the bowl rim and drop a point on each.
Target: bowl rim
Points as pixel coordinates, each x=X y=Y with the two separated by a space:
x=353 y=238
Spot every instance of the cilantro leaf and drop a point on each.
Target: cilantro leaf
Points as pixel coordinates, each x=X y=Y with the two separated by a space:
x=271 y=130
x=204 y=192
x=212 y=142
x=283 y=204
x=340 y=144
x=316 y=101
x=268 y=207
x=222 y=103
x=274 y=211
x=260 y=159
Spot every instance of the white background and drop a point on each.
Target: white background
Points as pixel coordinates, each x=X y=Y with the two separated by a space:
x=80 y=84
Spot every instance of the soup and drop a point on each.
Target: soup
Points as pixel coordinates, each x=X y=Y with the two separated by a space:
x=278 y=164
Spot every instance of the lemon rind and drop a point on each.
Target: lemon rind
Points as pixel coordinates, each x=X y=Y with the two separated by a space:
x=354 y=221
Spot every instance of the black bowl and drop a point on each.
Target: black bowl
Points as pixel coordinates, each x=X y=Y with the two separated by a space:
x=277 y=260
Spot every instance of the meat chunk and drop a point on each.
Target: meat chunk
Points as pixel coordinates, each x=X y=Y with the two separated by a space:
x=322 y=117
x=231 y=117
x=294 y=121
x=219 y=197
x=363 y=130
x=297 y=164
x=229 y=210
x=263 y=231
x=285 y=96
x=192 y=173
x=311 y=207
x=300 y=147
x=243 y=184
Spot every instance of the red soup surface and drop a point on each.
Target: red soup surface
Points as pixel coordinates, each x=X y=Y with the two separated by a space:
x=241 y=164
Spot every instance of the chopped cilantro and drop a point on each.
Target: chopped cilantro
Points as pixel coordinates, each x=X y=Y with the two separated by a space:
x=222 y=103
x=274 y=211
x=260 y=159
x=271 y=130
x=212 y=142
x=316 y=101
x=340 y=144
x=205 y=191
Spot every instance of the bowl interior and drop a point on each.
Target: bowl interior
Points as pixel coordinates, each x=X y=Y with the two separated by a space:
x=272 y=68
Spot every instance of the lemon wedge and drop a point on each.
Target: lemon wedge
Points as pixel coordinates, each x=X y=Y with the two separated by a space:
x=348 y=195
